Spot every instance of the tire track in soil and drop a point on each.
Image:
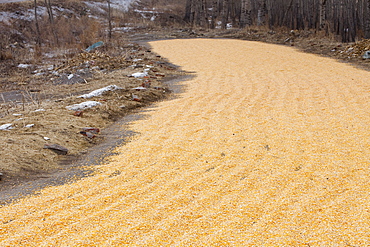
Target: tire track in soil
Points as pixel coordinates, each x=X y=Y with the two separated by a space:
x=267 y=146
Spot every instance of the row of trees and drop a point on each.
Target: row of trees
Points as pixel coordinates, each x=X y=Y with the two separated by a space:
x=349 y=19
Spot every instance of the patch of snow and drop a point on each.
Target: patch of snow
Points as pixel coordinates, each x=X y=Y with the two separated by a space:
x=139 y=74
x=39 y=110
x=99 y=92
x=6 y=127
x=70 y=76
x=140 y=88
x=28 y=15
x=122 y=29
x=17 y=114
x=29 y=125
x=23 y=66
x=46 y=138
x=83 y=105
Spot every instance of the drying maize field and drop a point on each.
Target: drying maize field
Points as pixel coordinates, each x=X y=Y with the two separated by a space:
x=267 y=146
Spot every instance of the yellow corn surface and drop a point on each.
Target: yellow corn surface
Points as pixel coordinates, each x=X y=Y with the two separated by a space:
x=267 y=147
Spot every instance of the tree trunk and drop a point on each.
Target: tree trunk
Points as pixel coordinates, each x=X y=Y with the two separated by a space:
x=109 y=21
x=203 y=13
x=225 y=13
x=261 y=15
x=245 y=15
x=367 y=21
x=286 y=14
x=51 y=21
x=38 y=35
x=187 y=11
x=215 y=13
x=322 y=22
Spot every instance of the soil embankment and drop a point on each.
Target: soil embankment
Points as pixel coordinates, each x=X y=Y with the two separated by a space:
x=267 y=146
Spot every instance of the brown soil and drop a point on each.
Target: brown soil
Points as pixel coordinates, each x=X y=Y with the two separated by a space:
x=23 y=154
x=267 y=146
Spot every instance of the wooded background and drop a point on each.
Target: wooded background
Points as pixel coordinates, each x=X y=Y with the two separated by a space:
x=347 y=19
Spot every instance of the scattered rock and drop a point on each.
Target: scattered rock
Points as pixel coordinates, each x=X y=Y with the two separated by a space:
x=78 y=113
x=56 y=148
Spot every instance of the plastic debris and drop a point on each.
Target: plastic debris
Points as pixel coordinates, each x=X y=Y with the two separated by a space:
x=87 y=134
x=56 y=148
x=83 y=105
x=135 y=97
x=6 y=127
x=100 y=91
x=366 y=55
x=46 y=138
x=91 y=130
x=96 y=45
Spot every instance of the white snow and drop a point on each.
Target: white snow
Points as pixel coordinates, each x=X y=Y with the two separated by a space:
x=6 y=127
x=100 y=91
x=140 y=88
x=29 y=125
x=83 y=105
x=139 y=74
x=39 y=110
x=70 y=76
x=101 y=7
x=23 y=66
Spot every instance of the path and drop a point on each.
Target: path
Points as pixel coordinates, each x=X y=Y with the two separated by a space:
x=267 y=146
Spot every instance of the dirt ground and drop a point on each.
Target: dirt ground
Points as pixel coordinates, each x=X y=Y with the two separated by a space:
x=266 y=147
x=38 y=115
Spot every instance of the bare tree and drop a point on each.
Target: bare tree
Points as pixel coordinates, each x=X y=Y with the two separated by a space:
x=214 y=14
x=51 y=20
x=38 y=35
x=367 y=22
x=187 y=10
x=109 y=21
x=261 y=21
x=245 y=16
x=322 y=14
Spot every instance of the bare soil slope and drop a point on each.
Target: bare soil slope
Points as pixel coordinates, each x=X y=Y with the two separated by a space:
x=268 y=146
